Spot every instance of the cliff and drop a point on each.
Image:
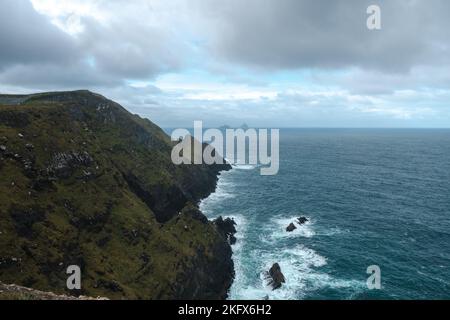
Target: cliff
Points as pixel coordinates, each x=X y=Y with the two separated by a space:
x=84 y=182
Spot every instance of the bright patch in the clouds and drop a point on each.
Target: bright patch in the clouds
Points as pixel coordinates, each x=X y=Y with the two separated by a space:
x=67 y=14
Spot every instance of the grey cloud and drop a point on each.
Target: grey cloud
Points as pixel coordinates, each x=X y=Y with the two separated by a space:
x=291 y=34
x=48 y=76
x=27 y=37
x=131 y=48
x=35 y=53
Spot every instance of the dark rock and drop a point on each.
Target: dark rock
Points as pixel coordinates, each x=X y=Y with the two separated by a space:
x=276 y=277
x=291 y=227
x=25 y=217
x=228 y=228
x=164 y=202
x=302 y=220
x=210 y=272
x=14 y=119
x=43 y=183
x=193 y=212
x=228 y=225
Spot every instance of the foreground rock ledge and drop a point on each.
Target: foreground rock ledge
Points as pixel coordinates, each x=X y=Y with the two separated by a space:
x=14 y=292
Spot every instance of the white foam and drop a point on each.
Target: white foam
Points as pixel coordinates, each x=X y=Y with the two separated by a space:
x=239 y=268
x=279 y=226
x=244 y=166
x=225 y=190
x=301 y=268
x=300 y=265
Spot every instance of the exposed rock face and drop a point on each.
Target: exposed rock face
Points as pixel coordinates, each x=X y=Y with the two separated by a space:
x=291 y=227
x=302 y=220
x=276 y=277
x=209 y=277
x=227 y=227
x=85 y=182
x=62 y=164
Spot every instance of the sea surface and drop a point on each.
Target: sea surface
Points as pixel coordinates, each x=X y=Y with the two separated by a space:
x=373 y=197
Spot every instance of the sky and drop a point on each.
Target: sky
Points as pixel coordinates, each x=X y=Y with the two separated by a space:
x=266 y=63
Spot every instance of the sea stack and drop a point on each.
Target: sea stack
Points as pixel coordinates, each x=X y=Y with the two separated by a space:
x=276 y=277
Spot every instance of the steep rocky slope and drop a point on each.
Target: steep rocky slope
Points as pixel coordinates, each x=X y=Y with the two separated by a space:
x=84 y=182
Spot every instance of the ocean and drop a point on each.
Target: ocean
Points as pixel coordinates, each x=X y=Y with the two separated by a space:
x=372 y=196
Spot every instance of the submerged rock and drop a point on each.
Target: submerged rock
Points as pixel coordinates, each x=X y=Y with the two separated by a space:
x=302 y=220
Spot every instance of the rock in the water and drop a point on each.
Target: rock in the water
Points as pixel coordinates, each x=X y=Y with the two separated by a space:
x=302 y=220
x=291 y=227
x=276 y=277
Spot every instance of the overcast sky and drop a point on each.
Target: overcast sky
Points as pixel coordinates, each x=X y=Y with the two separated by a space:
x=269 y=63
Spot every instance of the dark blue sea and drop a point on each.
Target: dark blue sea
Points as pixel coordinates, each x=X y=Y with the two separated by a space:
x=373 y=197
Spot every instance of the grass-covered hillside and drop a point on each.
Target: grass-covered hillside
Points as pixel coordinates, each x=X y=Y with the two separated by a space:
x=84 y=182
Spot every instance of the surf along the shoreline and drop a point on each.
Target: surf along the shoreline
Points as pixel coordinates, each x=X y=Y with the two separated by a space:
x=262 y=240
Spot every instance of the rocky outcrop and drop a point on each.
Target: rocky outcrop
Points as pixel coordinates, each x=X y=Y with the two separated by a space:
x=276 y=277
x=209 y=277
x=291 y=227
x=228 y=228
x=63 y=164
x=302 y=220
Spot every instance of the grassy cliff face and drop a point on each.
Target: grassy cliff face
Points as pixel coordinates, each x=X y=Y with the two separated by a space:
x=84 y=182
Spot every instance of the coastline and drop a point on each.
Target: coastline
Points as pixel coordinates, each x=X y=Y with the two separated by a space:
x=212 y=216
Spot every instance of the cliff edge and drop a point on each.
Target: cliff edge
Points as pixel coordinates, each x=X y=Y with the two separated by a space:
x=84 y=182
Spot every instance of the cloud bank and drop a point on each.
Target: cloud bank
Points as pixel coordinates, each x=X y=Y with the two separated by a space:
x=264 y=62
